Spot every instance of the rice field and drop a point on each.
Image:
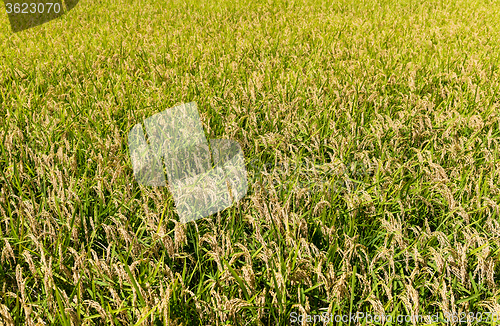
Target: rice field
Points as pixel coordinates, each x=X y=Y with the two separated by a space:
x=371 y=135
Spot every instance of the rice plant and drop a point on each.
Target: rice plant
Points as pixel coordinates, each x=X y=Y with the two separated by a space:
x=371 y=134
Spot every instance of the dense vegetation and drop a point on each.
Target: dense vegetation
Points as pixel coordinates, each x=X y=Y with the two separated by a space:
x=387 y=110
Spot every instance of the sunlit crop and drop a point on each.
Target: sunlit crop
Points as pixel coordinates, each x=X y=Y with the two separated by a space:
x=389 y=108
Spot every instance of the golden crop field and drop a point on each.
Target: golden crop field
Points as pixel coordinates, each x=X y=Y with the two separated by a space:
x=386 y=111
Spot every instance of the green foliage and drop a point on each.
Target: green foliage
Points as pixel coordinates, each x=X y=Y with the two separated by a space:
x=389 y=108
